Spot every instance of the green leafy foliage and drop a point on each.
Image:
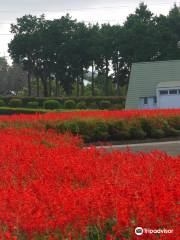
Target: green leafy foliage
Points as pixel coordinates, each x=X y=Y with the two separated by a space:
x=105 y=104
x=81 y=105
x=51 y=104
x=33 y=104
x=15 y=102
x=70 y=104
x=2 y=103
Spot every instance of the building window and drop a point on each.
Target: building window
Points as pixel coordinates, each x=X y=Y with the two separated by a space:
x=163 y=92
x=173 y=92
x=155 y=100
x=145 y=101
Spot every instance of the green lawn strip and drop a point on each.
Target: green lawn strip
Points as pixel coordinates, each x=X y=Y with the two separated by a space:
x=10 y=110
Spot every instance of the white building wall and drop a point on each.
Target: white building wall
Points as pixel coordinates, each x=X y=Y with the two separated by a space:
x=150 y=103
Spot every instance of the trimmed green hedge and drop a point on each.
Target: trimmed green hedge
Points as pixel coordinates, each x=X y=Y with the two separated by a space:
x=70 y=104
x=33 y=104
x=15 y=102
x=81 y=105
x=90 y=102
x=2 y=103
x=51 y=104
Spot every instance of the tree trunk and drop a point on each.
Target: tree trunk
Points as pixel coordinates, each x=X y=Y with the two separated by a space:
x=56 y=88
x=118 y=87
x=38 y=86
x=118 y=81
x=77 y=86
x=107 y=78
x=50 y=86
x=29 y=83
x=45 y=87
x=92 y=80
x=82 y=83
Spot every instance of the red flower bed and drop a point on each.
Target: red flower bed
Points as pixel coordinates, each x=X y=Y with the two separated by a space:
x=22 y=118
x=53 y=188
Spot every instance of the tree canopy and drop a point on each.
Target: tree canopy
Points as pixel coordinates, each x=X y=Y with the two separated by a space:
x=59 y=52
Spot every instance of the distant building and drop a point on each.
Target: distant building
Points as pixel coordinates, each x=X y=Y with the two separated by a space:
x=154 y=85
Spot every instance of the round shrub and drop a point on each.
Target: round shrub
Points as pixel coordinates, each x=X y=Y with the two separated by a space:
x=100 y=131
x=33 y=104
x=81 y=105
x=171 y=132
x=51 y=104
x=15 y=102
x=137 y=133
x=105 y=104
x=2 y=103
x=117 y=107
x=157 y=133
x=118 y=130
x=70 y=104
x=174 y=122
x=93 y=105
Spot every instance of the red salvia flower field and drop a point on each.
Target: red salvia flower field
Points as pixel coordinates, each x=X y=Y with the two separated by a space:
x=51 y=187
x=122 y=114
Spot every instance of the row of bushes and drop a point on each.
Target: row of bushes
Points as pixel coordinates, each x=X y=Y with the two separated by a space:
x=93 y=130
x=65 y=103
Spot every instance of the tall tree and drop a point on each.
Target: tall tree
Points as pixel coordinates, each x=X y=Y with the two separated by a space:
x=106 y=51
x=168 y=34
x=94 y=52
x=23 y=47
x=139 y=36
x=3 y=75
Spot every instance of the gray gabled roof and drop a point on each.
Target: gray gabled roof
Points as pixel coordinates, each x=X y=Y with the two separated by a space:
x=145 y=78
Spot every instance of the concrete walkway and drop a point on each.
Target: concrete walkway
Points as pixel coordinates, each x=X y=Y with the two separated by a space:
x=172 y=148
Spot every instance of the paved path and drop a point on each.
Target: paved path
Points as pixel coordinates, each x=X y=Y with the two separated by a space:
x=172 y=148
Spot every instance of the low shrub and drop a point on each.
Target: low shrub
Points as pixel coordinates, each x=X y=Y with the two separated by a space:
x=81 y=105
x=174 y=122
x=51 y=104
x=118 y=130
x=15 y=102
x=105 y=104
x=157 y=133
x=70 y=104
x=147 y=126
x=116 y=107
x=93 y=105
x=137 y=133
x=33 y=104
x=100 y=131
x=171 y=132
x=116 y=102
x=2 y=103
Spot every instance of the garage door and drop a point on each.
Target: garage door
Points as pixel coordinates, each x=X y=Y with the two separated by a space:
x=169 y=101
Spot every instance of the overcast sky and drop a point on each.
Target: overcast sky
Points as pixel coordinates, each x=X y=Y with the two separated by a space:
x=113 y=11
